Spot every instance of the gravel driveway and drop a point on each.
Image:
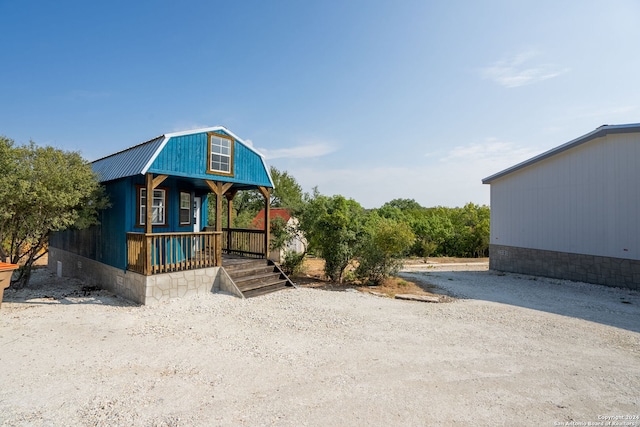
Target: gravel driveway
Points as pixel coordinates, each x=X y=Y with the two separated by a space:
x=510 y=350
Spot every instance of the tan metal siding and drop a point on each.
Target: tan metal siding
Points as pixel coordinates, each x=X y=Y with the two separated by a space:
x=584 y=200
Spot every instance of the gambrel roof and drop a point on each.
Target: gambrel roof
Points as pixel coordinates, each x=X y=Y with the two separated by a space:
x=598 y=133
x=159 y=156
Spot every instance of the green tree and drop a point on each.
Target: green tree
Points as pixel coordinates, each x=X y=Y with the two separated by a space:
x=443 y=231
x=42 y=190
x=473 y=227
x=403 y=204
x=333 y=227
x=286 y=193
x=384 y=244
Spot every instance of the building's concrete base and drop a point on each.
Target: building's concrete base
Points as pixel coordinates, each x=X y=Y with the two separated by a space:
x=137 y=287
x=617 y=272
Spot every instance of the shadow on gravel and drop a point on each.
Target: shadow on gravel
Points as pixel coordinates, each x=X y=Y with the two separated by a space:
x=610 y=306
x=46 y=288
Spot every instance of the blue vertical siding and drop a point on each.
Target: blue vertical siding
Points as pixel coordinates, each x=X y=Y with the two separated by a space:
x=187 y=156
x=249 y=167
x=183 y=156
x=114 y=225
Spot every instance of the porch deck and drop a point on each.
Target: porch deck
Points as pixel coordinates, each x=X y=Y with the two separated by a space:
x=239 y=251
x=155 y=253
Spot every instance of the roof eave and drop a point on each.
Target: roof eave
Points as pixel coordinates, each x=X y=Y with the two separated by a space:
x=597 y=133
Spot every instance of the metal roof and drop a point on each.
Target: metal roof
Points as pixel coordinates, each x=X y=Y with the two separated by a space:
x=598 y=133
x=128 y=162
x=138 y=159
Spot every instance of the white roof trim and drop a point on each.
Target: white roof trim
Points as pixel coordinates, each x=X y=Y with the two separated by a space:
x=153 y=157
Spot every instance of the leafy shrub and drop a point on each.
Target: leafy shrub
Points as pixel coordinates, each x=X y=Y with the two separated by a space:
x=293 y=263
x=383 y=246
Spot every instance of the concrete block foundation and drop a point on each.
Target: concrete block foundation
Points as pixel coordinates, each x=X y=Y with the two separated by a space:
x=608 y=271
x=146 y=290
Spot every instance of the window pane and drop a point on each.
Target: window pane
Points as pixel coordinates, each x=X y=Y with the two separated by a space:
x=143 y=214
x=185 y=201
x=155 y=216
x=158 y=204
x=185 y=208
x=221 y=150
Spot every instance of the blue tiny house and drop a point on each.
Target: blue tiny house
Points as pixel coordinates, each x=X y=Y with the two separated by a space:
x=178 y=175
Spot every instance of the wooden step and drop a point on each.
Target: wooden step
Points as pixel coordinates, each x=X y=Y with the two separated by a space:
x=252 y=270
x=255 y=277
x=265 y=290
x=247 y=281
x=262 y=284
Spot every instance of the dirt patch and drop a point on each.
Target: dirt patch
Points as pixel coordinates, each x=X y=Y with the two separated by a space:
x=313 y=277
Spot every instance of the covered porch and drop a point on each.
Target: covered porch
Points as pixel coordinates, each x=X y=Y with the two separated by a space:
x=157 y=253
x=164 y=252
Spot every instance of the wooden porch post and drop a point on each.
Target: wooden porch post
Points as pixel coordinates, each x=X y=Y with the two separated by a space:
x=219 y=188
x=230 y=195
x=266 y=193
x=150 y=184
x=148 y=226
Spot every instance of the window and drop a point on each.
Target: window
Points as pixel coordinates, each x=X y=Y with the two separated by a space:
x=185 y=208
x=159 y=203
x=220 y=154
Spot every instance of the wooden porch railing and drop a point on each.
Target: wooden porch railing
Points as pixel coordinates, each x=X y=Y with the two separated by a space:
x=167 y=252
x=244 y=241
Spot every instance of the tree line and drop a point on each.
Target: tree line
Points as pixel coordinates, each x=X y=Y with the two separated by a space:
x=372 y=241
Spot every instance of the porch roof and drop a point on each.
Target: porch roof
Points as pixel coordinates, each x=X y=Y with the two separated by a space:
x=138 y=160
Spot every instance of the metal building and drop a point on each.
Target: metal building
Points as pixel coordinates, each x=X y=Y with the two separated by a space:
x=572 y=212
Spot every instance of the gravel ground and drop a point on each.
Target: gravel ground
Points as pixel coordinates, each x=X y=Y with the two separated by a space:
x=510 y=350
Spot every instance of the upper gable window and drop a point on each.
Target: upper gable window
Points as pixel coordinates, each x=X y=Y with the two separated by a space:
x=220 y=154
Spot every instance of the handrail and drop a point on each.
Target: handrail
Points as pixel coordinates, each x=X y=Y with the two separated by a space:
x=152 y=253
x=248 y=242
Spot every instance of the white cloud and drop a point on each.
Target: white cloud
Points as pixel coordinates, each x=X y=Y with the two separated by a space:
x=454 y=180
x=521 y=70
x=430 y=186
x=491 y=149
x=299 y=152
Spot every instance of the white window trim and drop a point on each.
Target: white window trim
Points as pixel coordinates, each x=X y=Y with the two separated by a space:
x=187 y=208
x=159 y=204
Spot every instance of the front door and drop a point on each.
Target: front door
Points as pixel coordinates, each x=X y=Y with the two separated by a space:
x=196 y=223
x=197 y=217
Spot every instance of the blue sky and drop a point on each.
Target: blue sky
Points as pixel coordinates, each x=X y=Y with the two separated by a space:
x=374 y=100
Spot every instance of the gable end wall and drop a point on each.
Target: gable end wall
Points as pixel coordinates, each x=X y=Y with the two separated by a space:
x=584 y=201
